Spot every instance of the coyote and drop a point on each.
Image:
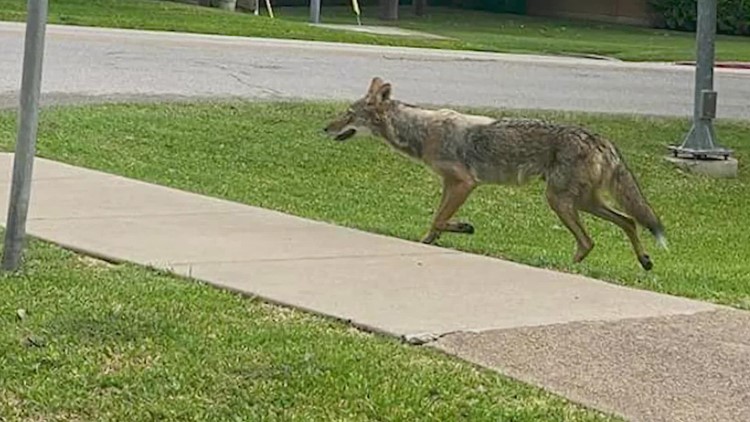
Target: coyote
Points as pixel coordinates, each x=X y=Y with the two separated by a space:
x=467 y=150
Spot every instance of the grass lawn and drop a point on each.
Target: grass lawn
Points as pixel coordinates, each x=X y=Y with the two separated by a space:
x=274 y=155
x=122 y=343
x=470 y=30
x=522 y=34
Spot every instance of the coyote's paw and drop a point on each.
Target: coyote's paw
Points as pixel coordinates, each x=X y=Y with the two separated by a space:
x=430 y=237
x=464 y=228
x=646 y=263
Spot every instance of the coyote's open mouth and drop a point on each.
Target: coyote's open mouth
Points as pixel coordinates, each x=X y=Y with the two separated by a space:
x=346 y=134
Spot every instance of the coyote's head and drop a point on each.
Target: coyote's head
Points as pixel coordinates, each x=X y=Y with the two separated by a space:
x=364 y=115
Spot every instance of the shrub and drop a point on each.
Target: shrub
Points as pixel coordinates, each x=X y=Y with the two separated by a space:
x=733 y=15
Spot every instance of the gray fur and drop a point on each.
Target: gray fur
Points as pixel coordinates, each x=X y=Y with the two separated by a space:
x=469 y=150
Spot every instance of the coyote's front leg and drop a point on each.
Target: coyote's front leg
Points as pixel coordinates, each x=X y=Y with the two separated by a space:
x=455 y=192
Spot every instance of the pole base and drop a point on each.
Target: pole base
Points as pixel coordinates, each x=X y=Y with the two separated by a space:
x=700 y=154
x=700 y=143
x=719 y=169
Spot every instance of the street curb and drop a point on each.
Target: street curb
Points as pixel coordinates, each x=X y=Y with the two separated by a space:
x=722 y=65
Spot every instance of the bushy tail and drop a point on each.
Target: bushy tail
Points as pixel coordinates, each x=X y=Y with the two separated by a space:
x=628 y=194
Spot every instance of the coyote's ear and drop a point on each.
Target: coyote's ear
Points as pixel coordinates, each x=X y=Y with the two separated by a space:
x=383 y=93
x=375 y=84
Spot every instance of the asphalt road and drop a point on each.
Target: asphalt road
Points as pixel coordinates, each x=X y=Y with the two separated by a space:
x=89 y=64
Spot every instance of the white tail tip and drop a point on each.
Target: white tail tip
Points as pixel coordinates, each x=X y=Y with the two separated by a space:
x=661 y=240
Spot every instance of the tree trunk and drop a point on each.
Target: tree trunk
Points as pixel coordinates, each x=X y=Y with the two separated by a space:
x=389 y=10
x=420 y=7
x=230 y=5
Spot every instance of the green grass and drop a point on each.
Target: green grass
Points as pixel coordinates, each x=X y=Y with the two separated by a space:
x=470 y=30
x=523 y=34
x=170 y=16
x=274 y=155
x=124 y=343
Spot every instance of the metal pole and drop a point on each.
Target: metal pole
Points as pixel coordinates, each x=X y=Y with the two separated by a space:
x=700 y=141
x=705 y=43
x=315 y=11
x=23 y=161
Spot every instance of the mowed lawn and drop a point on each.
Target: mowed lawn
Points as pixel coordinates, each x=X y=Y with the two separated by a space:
x=84 y=341
x=274 y=155
x=467 y=30
x=536 y=35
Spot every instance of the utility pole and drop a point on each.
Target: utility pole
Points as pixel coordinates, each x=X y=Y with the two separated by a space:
x=700 y=142
x=315 y=11
x=23 y=160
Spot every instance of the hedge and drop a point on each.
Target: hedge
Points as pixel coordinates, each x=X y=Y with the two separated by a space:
x=733 y=15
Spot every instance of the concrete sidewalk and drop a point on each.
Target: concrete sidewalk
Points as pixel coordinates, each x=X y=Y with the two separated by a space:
x=643 y=355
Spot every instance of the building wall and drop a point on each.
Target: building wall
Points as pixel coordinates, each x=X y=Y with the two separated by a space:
x=633 y=12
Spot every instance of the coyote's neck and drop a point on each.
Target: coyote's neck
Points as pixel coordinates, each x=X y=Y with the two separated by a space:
x=405 y=128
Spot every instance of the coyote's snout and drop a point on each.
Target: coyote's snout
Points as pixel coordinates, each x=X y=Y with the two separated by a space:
x=360 y=117
x=466 y=151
